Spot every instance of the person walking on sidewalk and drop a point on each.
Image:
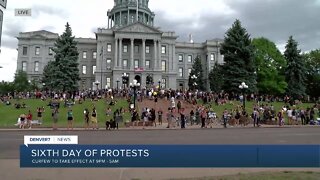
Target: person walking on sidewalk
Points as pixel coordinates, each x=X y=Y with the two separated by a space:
x=183 y=119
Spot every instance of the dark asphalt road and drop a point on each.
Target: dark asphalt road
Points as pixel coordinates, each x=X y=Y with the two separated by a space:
x=10 y=140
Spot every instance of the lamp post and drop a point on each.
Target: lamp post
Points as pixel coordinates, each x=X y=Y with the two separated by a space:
x=159 y=82
x=125 y=77
x=97 y=84
x=117 y=84
x=243 y=87
x=134 y=86
x=194 y=84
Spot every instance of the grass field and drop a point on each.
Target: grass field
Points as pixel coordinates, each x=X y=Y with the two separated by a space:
x=267 y=176
x=9 y=114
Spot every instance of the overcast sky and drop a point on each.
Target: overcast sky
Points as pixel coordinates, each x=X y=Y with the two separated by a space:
x=205 y=19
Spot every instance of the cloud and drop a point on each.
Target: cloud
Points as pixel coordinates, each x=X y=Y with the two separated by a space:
x=38 y=10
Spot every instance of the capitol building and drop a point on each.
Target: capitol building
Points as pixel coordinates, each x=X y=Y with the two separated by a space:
x=129 y=48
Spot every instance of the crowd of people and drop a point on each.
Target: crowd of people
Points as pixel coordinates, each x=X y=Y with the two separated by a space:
x=175 y=114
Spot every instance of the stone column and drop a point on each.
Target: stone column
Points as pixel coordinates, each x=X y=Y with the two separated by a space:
x=120 y=24
x=155 y=62
x=116 y=52
x=114 y=19
x=143 y=53
x=128 y=18
x=132 y=54
x=159 y=54
x=120 y=54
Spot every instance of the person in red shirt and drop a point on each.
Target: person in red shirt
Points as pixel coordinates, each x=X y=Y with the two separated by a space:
x=29 y=119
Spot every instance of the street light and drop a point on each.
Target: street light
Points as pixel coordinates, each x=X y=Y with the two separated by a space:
x=97 y=84
x=134 y=86
x=159 y=82
x=125 y=77
x=194 y=77
x=117 y=84
x=243 y=87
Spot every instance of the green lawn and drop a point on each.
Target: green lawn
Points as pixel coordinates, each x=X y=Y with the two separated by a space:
x=9 y=114
x=267 y=176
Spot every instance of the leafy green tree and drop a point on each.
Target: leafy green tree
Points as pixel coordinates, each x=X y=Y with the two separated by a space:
x=239 y=59
x=270 y=65
x=20 y=82
x=216 y=78
x=63 y=73
x=295 y=71
x=6 y=87
x=196 y=76
x=48 y=75
x=312 y=60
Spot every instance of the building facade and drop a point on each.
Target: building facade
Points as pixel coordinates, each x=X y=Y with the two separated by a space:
x=129 y=48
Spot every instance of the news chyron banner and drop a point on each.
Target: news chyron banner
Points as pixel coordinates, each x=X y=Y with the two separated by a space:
x=64 y=151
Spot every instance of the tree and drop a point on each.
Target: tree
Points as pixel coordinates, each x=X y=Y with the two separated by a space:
x=270 y=65
x=216 y=78
x=48 y=75
x=63 y=73
x=296 y=70
x=197 y=72
x=239 y=59
x=312 y=60
x=6 y=87
x=20 y=82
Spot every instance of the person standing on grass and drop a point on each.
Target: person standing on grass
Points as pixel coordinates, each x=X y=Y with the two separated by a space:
x=70 y=119
x=29 y=119
x=94 y=119
x=40 y=111
x=203 y=117
x=54 y=115
x=86 y=118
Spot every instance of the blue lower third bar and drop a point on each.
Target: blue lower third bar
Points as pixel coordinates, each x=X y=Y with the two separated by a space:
x=114 y=156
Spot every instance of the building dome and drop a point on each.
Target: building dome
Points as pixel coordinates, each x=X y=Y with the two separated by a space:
x=125 y=12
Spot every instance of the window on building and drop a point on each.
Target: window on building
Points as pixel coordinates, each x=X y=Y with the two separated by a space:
x=125 y=48
x=163 y=83
x=94 y=55
x=84 y=54
x=163 y=49
x=212 y=57
x=25 y=51
x=109 y=47
x=108 y=64
x=163 y=66
x=94 y=68
x=147 y=64
x=24 y=66
x=36 y=66
x=136 y=49
x=147 y=49
x=180 y=72
x=108 y=82
x=180 y=58
x=136 y=63
x=37 y=51
x=189 y=58
x=125 y=63
x=189 y=71
x=84 y=69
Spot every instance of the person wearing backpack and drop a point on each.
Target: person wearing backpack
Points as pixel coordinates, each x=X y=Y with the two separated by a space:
x=94 y=119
